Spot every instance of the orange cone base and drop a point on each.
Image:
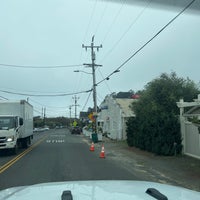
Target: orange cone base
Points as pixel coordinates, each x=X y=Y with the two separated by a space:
x=102 y=155
x=92 y=147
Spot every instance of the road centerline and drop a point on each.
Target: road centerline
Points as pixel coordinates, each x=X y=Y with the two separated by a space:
x=18 y=157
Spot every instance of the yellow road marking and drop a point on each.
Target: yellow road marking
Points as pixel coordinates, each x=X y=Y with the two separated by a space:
x=14 y=160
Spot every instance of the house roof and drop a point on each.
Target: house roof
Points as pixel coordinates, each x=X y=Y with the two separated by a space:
x=124 y=95
x=125 y=105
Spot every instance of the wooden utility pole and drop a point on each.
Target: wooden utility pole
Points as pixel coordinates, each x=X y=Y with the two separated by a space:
x=44 y=120
x=93 y=66
x=75 y=105
x=70 y=112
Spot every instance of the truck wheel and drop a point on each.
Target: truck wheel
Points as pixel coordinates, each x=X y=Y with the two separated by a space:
x=26 y=142
x=15 y=149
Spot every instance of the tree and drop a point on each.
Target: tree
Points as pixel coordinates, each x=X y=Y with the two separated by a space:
x=51 y=122
x=156 y=127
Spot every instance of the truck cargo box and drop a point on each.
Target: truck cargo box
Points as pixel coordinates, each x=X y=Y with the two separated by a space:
x=22 y=109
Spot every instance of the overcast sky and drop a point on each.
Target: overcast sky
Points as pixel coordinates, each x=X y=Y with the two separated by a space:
x=50 y=33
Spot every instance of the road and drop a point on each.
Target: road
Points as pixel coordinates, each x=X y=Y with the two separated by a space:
x=56 y=155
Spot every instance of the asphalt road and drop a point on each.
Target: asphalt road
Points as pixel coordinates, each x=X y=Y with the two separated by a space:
x=56 y=155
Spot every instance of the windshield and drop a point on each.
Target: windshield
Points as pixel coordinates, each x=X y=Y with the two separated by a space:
x=106 y=90
x=6 y=123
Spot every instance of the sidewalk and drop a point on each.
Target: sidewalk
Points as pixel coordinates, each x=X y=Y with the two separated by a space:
x=181 y=171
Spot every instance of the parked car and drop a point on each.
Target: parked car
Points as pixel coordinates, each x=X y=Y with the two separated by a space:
x=76 y=130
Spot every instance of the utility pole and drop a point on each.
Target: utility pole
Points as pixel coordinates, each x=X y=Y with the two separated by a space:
x=44 y=116
x=93 y=65
x=70 y=108
x=75 y=105
x=42 y=113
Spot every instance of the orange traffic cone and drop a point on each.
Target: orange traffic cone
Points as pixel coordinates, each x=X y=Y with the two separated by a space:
x=102 y=154
x=92 y=147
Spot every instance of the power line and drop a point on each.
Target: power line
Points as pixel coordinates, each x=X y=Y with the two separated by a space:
x=93 y=11
x=105 y=82
x=3 y=98
x=49 y=107
x=45 y=95
x=90 y=20
x=31 y=91
x=37 y=111
x=87 y=100
x=101 y=18
x=85 y=35
x=38 y=67
x=127 y=30
x=136 y=52
x=100 y=98
x=113 y=22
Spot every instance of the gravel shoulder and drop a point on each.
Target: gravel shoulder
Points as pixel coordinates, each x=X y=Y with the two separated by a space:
x=181 y=171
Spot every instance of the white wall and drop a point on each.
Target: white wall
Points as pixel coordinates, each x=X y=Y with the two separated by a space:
x=111 y=118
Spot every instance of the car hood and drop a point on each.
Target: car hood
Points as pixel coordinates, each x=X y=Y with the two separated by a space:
x=98 y=190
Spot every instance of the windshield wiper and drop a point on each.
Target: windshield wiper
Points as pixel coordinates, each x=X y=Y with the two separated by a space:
x=67 y=195
x=156 y=194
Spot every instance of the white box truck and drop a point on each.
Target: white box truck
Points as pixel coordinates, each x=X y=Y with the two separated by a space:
x=16 y=124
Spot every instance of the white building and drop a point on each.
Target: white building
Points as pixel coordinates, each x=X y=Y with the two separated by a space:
x=114 y=115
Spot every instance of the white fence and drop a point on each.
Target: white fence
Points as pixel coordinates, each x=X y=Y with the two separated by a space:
x=192 y=141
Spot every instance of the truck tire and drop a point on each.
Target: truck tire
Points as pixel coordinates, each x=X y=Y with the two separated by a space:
x=15 y=149
x=26 y=142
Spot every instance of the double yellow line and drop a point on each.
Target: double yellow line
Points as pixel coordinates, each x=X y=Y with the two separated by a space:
x=15 y=159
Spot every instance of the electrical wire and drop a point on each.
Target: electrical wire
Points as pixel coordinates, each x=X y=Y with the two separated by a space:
x=3 y=98
x=87 y=100
x=37 y=111
x=39 y=67
x=101 y=18
x=86 y=33
x=127 y=30
x=103 y=78
x=53 y=107
x=45 y=95
x=90 y=20
x=136 y=52
x=100 y=98
x=113 y=22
